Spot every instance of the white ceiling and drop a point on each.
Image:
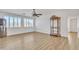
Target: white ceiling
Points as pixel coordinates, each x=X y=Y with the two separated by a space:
x=28 y=12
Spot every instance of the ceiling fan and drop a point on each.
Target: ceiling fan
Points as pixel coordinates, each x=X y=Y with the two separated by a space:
x=35 y=14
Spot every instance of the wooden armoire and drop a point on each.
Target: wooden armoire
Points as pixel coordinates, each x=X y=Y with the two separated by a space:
x=55 y=23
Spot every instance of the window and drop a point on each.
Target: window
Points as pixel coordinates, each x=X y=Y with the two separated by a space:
x=25 y=22
x=11 y=21
x=19 y=22
x=7 y=21
x=28 y=22
x=14 y=21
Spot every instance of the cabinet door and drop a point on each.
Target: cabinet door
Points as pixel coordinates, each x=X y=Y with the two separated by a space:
x=2 y=28
x=55 y=27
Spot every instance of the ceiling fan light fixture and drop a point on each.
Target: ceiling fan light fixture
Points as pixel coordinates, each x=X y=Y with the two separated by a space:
x=35 y=14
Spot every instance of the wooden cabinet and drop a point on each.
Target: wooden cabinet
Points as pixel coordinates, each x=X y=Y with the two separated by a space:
x=55 y=25
x=2 y=27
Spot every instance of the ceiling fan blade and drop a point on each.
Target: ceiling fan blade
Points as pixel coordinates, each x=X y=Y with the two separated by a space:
x=39 y=14
x=35 y=14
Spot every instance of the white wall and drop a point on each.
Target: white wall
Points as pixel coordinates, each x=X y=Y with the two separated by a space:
x=43 y=22
x=13 y=31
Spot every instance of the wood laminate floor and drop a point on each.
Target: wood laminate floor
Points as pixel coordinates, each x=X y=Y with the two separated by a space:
x=34 y=41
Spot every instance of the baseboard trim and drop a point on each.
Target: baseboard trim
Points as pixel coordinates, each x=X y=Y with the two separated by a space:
x=18 y=34
x=33 y=32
